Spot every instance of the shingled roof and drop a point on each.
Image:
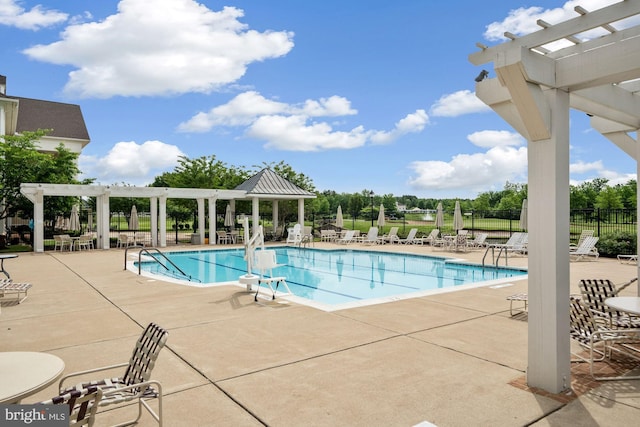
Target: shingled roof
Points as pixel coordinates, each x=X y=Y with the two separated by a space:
x=268 y=183
x=64 y=120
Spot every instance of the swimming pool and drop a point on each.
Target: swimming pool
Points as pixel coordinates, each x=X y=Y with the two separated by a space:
x=336 y=279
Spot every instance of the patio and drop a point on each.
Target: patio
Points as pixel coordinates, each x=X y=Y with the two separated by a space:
x=454 y=359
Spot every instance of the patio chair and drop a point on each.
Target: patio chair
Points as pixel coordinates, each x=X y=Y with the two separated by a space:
x=62 y=241
x=348 y=237
x=372 y=237
x=136 y=382
x=599 y=339
x=83 y=405
x=125 y=240
x=586 y=250
x=265 y=260
x=223 y=237
x=85 y=242
x=595 y=292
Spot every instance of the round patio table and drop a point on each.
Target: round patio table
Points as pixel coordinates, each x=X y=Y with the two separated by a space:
x=25 y=373
x=627 y=304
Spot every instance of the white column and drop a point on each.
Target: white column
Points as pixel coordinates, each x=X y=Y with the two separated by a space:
x=212 y=220
x=301 y=212
x=38 y=222
x=275 y=216
x=153 y=206
x=201 y=220
x=232 y=203
x=255 y=212
x=162 y=215
x=103 y=220
x=548 y=192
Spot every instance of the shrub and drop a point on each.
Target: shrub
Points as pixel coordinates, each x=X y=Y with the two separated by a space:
x=616 y=243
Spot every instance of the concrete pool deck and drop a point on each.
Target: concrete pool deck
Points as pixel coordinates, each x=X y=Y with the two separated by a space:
x=454 y=359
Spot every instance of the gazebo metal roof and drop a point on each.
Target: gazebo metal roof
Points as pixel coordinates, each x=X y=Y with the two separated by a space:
x=267 y=184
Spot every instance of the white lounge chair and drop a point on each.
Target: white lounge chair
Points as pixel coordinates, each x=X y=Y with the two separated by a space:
x=479 y=241
x=348 y=237
x=328 y=235
x=411 y=238
x=585 y=250
x=372 y=237
x=432 y=237
x=294 y=235
x=392 y=237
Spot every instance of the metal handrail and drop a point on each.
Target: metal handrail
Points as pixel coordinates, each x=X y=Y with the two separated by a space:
x=159 y=261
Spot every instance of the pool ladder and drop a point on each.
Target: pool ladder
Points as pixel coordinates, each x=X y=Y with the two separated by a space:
x=162 y=260
x=493 y=255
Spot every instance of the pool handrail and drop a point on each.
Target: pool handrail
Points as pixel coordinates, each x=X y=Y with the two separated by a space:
x=157 y=251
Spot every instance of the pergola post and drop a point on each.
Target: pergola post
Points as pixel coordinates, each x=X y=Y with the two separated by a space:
x=255 y=213
x=301 y=212
x=201 y=220
x=38 y=222
x=212 y=220
x=275 y=218
x=163 y=221
x=548 y=194
x=153 y=206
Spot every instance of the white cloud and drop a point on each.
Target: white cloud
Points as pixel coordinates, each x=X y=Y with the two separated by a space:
x=130 y=162
x=458 y=103
x=412 y=123
x=293 y=133
x=496 y=138
x=471 y=172
x=171 y=47
x=522 y=21
x=13 y=15
x=291 y=127
x=582 y=167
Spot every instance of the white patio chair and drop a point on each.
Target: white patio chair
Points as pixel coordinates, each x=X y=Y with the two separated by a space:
x=586 y=250
x=265 y=261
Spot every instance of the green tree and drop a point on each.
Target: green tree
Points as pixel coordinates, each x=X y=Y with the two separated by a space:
x=609 y=198
x=20 y=162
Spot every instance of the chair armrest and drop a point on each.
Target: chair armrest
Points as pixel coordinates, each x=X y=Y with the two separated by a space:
x=89 y=371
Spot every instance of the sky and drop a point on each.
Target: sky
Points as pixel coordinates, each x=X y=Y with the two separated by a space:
x=359 y=94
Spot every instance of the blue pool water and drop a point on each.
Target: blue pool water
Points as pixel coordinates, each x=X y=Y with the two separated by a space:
x=340 y=277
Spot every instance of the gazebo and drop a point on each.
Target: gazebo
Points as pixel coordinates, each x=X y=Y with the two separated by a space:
x=541 y=76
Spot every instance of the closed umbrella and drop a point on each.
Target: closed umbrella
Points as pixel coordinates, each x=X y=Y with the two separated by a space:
x=458 y=222
x=74 y=219
x=134 y=223
x=439 y=216
x=524 y=216
x=381 y=216
x=339 y=220
x=228 y=217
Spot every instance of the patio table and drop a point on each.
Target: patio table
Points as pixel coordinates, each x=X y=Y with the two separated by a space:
x=25 y=373
x=629 y=305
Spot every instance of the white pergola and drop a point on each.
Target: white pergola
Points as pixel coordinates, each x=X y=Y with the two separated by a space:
x=541 y=76
x=158 y=202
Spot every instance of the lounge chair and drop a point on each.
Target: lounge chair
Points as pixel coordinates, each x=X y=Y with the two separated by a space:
x=589 y=334
x=85 y=242
x=595 y=292
x=432 y=237
x=294 y=235
x=83 y=405
x=135 y=384
x=372 y=237
x=392 y=237
x=628 y=259
x=583 y=235
x=9 y=287
x=307 y=235
x=349 y=237
x=410 y=239
x=265 y=261
x=328 y=235
x=586 y=250
x=479 y=242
